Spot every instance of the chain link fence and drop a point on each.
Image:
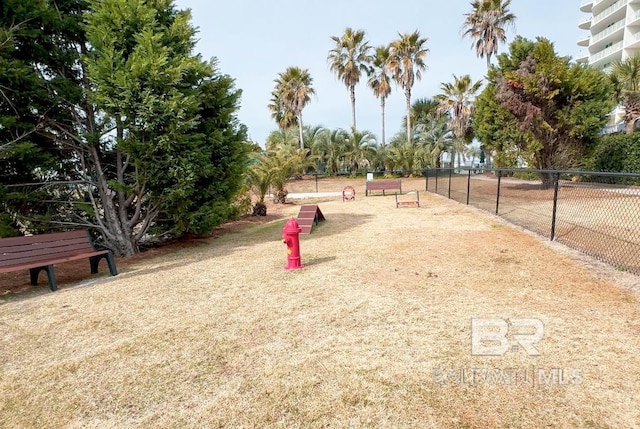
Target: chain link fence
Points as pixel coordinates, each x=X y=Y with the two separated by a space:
x=597 y=213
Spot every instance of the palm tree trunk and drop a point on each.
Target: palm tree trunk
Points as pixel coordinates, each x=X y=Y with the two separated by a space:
x=488 y=61
x=353 y=106
x=300 y=130
x=407 y=94
x=382 y=107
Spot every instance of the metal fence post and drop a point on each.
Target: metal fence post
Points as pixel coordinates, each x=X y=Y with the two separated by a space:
x=437 y=180
x=426 y=180
x=450 y=173
x=468 y=185
x=498 y=192
x=316 y=182
x=556 y=180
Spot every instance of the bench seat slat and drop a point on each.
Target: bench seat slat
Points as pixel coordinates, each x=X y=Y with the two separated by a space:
x=32 y=250
x=35 y=255
x=53 y=237
x=50 y=261
x=5 y=247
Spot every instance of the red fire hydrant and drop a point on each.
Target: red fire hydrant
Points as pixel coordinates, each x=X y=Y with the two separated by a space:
x=290 y=237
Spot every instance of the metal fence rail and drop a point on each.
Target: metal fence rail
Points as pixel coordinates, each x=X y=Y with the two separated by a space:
x=597 y=213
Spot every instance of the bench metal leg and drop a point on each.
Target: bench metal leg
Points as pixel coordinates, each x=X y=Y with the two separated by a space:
x=94 y=261
x=51 y=275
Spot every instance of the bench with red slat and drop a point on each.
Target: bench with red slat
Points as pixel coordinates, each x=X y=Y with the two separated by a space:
x=40 y=252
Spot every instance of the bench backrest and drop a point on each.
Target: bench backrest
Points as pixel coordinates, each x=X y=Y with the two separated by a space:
x=43 y=247
x=384 y=184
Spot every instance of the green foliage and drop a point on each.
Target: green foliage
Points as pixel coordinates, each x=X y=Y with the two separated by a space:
x=541 y=108
x=617 y=153
x=108 y=96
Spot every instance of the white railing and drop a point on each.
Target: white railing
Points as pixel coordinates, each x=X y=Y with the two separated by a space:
x=604 y=33
x=603 y=53
x=608 y=11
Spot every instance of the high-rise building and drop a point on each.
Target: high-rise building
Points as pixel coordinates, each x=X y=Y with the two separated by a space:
x=613 y=34
x=614 y=31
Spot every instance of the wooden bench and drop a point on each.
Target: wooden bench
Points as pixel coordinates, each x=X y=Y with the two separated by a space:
x=39 y=252
x=383 y=185
x=415 y=202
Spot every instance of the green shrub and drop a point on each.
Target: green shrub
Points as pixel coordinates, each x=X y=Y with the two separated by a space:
x=616 y=153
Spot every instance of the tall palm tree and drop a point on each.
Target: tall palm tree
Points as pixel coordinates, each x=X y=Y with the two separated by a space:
x=283 y=116
x=625 y=76
x=407 y=56
x=486 y=25
x=380 y=80
x=349 y=59
x=457 y=99
x=294 y=91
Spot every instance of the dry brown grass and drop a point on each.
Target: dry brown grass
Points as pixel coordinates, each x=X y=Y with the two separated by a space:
x=219 y=335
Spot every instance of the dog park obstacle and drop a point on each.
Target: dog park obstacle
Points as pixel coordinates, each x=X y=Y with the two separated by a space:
x=415 y=202
x=348 y=193
x=309 y=215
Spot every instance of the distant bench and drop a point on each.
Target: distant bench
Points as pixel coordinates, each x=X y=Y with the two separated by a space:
x=383 y=185
x=39 y=252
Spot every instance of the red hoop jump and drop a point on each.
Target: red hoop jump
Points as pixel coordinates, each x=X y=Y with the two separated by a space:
x=348 y=193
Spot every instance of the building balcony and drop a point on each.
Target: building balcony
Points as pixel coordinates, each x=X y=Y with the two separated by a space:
x=632 y=41
x=612 y=34
x=586 y=6
x=584 y=41
x=582 y=57
x=585 y=24
x=607 y=55
x=634 y=19
x=599 y=5
x=615 y=12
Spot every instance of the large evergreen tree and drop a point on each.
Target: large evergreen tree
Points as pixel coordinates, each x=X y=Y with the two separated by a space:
x=542 y=106
x=146 y=130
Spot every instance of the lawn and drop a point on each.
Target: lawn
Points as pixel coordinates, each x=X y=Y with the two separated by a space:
x=374 y=332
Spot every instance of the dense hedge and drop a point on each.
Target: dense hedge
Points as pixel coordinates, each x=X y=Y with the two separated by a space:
x=616 y=152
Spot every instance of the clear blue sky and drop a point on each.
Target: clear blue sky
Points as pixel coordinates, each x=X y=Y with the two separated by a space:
x=254 y=40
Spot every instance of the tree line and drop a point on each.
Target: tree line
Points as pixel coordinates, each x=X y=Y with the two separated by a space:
x=535 y=108
x=109 y=120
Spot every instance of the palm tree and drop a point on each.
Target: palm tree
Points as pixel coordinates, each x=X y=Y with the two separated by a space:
x=359 y=149
x=380 y=80
x=434 y=138
x=423 y=110
x=293 y=90
x=625 y=76
x=283 y=116
x=406 y=63
x=348 y=59
x=486 y=25
x=329 y=148
x=458 y=99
